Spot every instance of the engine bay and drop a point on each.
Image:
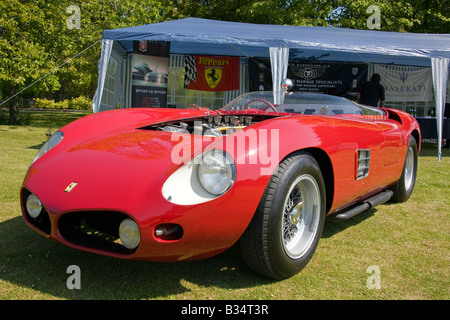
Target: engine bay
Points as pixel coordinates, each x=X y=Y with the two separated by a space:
x=211 y=125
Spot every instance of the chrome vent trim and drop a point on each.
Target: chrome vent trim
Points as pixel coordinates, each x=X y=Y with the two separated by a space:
x=362 y=163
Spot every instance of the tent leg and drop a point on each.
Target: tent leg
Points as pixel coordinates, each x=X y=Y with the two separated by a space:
x=439 y=68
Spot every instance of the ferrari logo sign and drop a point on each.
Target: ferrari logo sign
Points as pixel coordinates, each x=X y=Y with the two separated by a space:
x=213 y=75
x=70 y=187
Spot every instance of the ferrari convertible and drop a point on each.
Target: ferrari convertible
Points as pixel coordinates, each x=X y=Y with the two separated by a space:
x=265 y=171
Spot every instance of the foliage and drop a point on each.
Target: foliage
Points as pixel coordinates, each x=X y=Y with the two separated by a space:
x=79 y=103
x=265 y=12
x=50 y=104
x=36 y=41
x=398 y=15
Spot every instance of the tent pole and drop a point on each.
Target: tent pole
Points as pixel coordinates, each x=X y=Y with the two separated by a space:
x=439 y=67
x=279 y=60
x=102 y=68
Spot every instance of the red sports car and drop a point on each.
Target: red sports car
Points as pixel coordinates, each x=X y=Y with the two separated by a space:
x=183 y=184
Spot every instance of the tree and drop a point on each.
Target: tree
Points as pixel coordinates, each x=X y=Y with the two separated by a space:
x=22 y=58
x=294 y=12
x=396 y=15
x=431 y=16
x=36 y=39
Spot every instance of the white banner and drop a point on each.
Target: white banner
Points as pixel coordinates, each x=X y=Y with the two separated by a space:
x=403 y=83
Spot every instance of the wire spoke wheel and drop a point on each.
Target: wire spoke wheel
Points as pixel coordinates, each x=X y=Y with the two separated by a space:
x=300 y=216
x=285 y=230
x=404 y=187
x=409 y=168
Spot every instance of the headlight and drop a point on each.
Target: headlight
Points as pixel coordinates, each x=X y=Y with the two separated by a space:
x=216 y=172
x=52 y=142
x=34 y=206
x=129 y=233
x=204 y=178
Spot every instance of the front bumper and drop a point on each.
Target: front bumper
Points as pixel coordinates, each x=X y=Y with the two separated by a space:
x=195 y=232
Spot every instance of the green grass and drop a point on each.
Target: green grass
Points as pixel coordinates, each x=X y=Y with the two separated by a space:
x=409 y=242
x=51 y=119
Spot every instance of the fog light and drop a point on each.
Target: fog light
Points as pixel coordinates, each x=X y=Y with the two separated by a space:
x=168 y=232
x=34 y=206
x=129 y=233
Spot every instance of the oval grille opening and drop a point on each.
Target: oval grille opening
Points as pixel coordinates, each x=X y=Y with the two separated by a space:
x=92 y=229
x=42 y=221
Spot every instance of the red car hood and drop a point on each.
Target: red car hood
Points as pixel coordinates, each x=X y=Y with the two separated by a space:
x=111 y=160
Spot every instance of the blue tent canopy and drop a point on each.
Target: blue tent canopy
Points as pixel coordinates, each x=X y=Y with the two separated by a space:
x=279 y=42
x=203 y=36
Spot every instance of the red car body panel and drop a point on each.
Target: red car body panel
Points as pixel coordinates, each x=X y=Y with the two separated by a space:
x=121 y=167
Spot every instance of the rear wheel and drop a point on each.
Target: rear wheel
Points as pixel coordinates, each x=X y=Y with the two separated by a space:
x=286 y=228
x=405 y=186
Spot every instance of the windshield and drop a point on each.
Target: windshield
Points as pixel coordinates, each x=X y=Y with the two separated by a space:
x=302 y=103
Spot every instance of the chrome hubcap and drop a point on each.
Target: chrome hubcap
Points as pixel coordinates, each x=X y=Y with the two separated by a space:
x=300 y=216
x=409 y=168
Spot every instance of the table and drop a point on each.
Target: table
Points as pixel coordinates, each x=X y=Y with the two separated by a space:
x=428 y=127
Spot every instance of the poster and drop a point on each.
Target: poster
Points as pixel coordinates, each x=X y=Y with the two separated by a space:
x=211 y=73
x=260 y=74
x=335 y=78
x=150 y=65
x=405 y=83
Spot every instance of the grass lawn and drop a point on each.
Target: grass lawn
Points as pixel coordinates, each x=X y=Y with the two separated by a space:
x=408 y=243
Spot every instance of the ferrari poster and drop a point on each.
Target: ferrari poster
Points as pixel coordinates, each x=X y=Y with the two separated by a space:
x=211 y=73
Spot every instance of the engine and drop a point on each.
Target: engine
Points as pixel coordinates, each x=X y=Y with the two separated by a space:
x=212 y=125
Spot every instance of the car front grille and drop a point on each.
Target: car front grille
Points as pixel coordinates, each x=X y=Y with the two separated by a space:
x=94 y=229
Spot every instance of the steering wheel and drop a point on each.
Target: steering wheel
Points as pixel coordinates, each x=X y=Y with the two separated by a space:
x=264 y=101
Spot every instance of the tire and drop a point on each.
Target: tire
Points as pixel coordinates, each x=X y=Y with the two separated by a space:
x=286 y=228
x=405 y=186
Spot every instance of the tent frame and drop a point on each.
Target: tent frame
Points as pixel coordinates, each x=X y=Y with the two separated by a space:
x=203 y=36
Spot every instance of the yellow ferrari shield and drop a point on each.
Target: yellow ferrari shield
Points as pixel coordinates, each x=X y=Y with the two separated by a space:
x=213 y=75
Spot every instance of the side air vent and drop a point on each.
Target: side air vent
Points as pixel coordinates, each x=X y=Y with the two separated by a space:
x=362 y=163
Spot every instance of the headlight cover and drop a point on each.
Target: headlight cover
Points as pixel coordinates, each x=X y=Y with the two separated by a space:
x=216 y=172
x=204 y=178
x=34 y=206
x=52 y=142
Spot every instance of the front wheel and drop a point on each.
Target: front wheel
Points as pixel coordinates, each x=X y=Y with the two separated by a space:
x=285 y=230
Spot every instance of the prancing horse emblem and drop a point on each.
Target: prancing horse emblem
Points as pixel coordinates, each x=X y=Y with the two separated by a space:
x=70 y=187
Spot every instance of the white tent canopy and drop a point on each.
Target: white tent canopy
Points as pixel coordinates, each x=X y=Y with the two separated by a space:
x=202 y=36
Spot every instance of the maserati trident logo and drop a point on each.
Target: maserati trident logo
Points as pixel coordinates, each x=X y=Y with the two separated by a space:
x=70 y=187
x=403 y=76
